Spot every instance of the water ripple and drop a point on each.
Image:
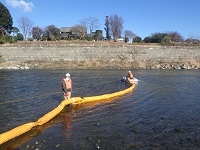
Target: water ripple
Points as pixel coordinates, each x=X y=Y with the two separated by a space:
x=161 y=113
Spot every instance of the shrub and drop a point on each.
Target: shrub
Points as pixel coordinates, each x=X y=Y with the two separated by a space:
x=30 y=39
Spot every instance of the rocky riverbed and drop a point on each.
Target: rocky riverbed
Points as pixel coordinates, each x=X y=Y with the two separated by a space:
x=91 y=64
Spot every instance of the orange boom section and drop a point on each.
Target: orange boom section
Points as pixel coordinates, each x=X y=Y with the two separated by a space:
x=6 y=136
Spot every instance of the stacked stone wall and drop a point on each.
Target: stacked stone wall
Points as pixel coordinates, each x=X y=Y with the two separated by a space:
x=157 y=53
x=166 y=54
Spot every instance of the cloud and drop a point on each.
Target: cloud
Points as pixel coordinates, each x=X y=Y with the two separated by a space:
x=21 y=4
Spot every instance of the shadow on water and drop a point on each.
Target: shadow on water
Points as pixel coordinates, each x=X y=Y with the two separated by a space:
x=162 y=112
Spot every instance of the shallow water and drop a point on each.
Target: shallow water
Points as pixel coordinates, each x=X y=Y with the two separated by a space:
x=161 y=113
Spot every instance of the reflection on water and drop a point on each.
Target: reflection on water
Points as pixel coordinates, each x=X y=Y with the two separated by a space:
x=162 y=112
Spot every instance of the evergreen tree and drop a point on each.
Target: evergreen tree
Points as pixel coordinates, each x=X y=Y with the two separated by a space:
x=107 y=29
x=20 y=37
x=6 y=20
x=137 y=39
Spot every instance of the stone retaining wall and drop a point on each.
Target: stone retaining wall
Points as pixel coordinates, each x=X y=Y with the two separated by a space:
x=167 y=54
x=158 y=53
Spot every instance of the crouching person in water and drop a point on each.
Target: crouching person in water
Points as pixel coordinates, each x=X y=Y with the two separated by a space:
x=67 y=86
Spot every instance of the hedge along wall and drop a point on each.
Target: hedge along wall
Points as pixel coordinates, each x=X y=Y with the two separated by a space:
x=81 y=53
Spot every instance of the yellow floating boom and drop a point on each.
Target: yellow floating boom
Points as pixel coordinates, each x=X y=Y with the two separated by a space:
x=6 y=136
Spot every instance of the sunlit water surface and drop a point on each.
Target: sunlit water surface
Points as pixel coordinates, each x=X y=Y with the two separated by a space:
x=161 y=113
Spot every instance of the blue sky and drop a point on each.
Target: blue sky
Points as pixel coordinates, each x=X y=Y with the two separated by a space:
x=142 y=17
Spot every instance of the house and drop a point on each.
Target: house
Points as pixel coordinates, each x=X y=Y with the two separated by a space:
x=72 y=32
x=65 y=32
x=120 y=40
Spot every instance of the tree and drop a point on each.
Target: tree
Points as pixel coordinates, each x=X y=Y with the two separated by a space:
x=44 y=37
x=137 y=39
x=6 y=20
x=15 y=30
x=107 y=28
x=90 y=23
x=175 y=36
x=129 y=34
x=116 y=26
x=192 y=41
x=57 y=34
x=52 y=32
x=98 y=35
x=147 y=39
x=79 y=31
x=20 y=37
x=126 y=39
x=25 y=24
x=166 y=40
x=157 y=37
x=36 y=32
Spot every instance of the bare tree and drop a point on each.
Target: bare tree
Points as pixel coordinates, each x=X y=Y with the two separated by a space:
x=116 y=26
x=79 y=30
x=25 y=25
x=129 y=34
x=194 y=36
x=36 y=32
x=90 y=23
x=175 y=36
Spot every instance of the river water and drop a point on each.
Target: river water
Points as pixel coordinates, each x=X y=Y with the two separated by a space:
x=161 y=113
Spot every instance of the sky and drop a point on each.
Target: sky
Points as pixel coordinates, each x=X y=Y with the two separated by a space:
x=142 y=17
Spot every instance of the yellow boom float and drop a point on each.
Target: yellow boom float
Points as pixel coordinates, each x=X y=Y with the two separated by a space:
x=6 y=136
